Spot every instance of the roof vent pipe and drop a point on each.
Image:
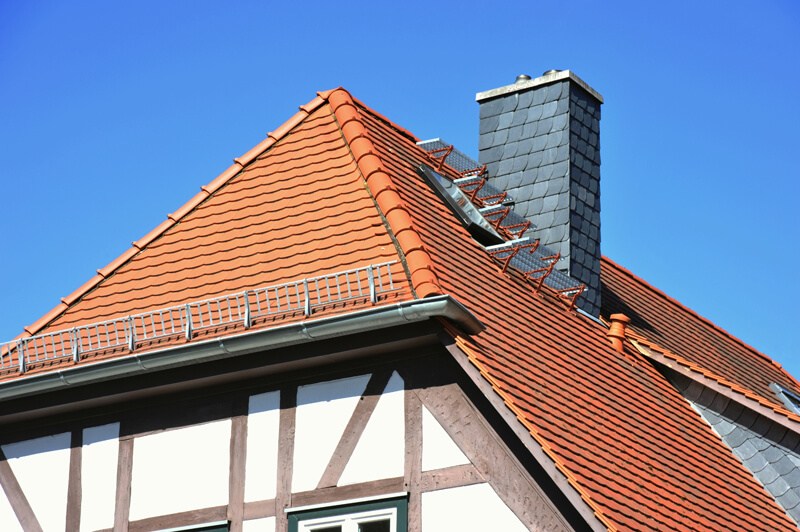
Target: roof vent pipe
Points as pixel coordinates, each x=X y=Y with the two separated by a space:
x=522 y=78
x=548 y=72
x=619 y=322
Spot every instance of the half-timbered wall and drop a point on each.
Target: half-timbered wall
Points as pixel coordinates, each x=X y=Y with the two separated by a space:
x=248 y=457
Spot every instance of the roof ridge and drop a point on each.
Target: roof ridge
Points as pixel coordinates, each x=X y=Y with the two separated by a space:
x=420 y=265
x=206 y=191
x=700 y=317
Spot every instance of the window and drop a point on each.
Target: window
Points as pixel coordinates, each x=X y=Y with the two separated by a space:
x=386 y=515
x=789 y=399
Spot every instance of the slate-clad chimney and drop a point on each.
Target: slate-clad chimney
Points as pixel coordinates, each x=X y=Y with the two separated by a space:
x=540 y=141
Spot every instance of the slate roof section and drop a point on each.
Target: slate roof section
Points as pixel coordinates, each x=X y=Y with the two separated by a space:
x=637 y=453
x=771 y=454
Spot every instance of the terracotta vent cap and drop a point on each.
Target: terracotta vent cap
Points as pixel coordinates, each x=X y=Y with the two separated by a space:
x=617 y=331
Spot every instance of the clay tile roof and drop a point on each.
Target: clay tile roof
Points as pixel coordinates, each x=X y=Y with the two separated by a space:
x=336 y=187
x=690 y=339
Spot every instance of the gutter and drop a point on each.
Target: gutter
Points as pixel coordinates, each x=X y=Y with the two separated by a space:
x=224 y=347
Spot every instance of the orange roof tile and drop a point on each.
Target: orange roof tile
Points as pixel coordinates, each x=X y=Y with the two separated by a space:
x=336 y=187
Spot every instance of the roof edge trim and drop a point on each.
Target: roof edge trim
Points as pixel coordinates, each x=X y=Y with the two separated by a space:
x=420 y=265
x=538 y=448
x=727 y=389
x=205 y=192
x=444 y=306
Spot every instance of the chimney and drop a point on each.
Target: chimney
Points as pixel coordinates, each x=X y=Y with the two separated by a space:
x=540 y=142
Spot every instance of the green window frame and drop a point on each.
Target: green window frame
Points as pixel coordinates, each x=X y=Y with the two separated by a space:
x=353 y=512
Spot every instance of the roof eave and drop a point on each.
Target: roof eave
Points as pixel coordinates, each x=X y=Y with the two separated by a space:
x=232 y=346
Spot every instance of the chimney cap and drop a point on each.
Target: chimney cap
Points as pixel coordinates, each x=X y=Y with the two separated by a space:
x=548 y=72
x=522 y=77
x=523 y=84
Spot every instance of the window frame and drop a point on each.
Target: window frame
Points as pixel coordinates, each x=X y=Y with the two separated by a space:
x=345 y=509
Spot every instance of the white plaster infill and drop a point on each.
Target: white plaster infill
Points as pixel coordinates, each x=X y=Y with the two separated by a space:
x=536 y=82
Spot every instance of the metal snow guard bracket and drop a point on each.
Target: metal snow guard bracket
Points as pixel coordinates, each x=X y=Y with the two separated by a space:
x=526 y=261
x=241 y=307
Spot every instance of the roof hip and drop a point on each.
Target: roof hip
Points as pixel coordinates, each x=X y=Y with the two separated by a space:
x=420 y=265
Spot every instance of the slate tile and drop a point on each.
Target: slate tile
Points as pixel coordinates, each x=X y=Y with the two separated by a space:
x=790 y=440
x=546 y=174
x=491 y=167
x=789 y=500
x=560 y=122
x=514 y=180
x=550 y=203
x=504 y=120
x=525 y=99
x=539 y=143
x=520 y=115
x=545 y=219
x=501 y=182
x=549 y=155
x=553 y=139
x=525 y=145
x=777 y=487
x=538 y=97
x=488 y=124
x=491 y=108
x=576 y=112
x=545 y=126
x=595 y=124
x=793 y=478
x=500 y=137
x=554 y=92
x=563 y=106
x=485 y=141
x=561 y=218
x=767 y=475
x=756 y=463
x=574 y=139
x=539 y=189
x=760 y=443
x=529 y=130
x=776 y=433
x=773 y=453
x=505 y=166
x=549 y=110
x=520 y=162
x=584 y=133
x=724 y=427
x=514 y=133
x=510 y=149
x=576 y=270
x=596 y=176
x=736 y=438
x=491 y=155
x=594 y=186
x=534 y=113
x=561 y=168
x=784 y=466
x=535 y=208
x=535 y=158
x=527 y=179
x=510 y=102
x=794 y=513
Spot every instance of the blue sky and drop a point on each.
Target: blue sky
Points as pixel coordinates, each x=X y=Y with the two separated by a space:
x=113 y=114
